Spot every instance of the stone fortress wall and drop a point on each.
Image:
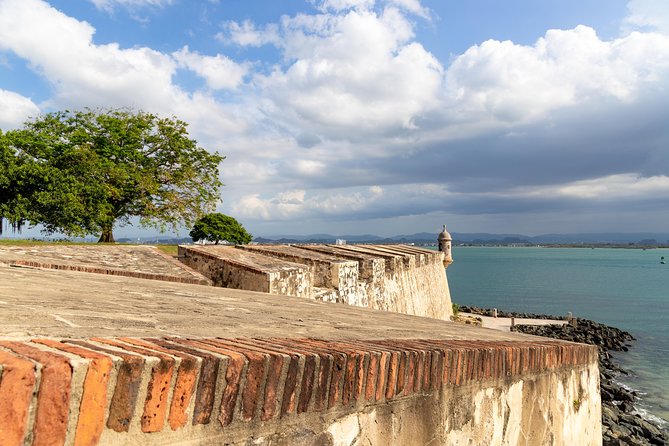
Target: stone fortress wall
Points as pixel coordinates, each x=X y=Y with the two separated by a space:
x=398 y=278
x=146 y=353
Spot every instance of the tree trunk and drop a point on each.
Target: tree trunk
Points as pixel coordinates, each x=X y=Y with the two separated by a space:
x=107 y=236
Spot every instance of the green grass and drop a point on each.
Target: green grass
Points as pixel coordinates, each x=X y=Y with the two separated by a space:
x=456 y=309
x=172 y=250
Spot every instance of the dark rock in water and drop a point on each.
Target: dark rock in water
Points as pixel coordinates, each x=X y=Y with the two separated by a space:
x=621 y=424
x=500 y=313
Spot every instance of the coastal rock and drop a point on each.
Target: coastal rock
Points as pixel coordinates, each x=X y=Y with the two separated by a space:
x=607 y=412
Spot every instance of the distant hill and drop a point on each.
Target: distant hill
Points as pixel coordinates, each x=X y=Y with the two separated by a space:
x=352 y=238
x=480 y=238
x=476 y=238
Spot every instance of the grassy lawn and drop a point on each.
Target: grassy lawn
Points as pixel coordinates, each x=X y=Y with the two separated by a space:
x=169 y=249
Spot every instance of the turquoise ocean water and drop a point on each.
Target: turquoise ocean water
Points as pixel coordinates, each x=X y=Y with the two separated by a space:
x=625 y=288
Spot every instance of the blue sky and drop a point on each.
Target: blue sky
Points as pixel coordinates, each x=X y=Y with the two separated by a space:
x=378 y=116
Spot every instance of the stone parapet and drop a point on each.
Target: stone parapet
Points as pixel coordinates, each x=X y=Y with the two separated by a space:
x=341 y=276
x=240 y=269
x=175 y=390
x=397 y=278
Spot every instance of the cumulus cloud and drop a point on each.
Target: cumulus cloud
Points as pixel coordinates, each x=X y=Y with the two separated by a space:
x=357 y=74
x=85 y=74
x=648 y=14
x=359 y=70
x=15 y=109
x=220 y=72
x=61 y=48
x=509 y=84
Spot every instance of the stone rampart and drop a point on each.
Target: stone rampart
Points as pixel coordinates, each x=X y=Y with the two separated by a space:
x=396 y=278
x=307 y=391
x=334 y=280
x=97 y=359
x=229 y=267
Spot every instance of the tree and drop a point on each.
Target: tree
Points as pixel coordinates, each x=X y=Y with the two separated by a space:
x=85 y=172
x=216 y=227
x=14 y=176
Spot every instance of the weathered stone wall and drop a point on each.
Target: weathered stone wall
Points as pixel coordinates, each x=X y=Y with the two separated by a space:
x=290 y=282
x=228 y=267
x=283 y=391
x=225 y=274
x=536 y=410
x=395 y=278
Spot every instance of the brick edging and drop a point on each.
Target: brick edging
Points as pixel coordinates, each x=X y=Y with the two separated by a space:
x=170 y=383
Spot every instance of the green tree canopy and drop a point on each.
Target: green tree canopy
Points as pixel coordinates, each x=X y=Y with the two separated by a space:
x=85 y=172
x=216 y=227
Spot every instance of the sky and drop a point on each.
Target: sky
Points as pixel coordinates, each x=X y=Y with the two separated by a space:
x=378 y=116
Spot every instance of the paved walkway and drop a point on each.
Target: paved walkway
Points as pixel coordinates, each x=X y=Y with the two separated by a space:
x=71 y=304
x=122 y=260
x=504 y=323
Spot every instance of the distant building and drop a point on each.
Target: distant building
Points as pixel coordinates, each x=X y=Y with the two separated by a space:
x=444 y=241
x=340 y=241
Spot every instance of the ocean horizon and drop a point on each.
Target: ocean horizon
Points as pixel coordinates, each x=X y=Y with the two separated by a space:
x=623 y=288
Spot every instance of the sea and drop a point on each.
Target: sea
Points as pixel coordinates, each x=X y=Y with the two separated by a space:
x=623 y=288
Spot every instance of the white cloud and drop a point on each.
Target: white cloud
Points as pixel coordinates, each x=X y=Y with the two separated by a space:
x=298 y=204
x=651 y=14
x=220 y=72
x=309 y=167
x=352 y=75
x=110 y=5
x=82 y=73
x=359 y=75
x=511 y=84
x=247 y=34
x=340 y=5
x=617 y=187
x=412 y=6
x=248 y=172
x=15 y=109
x=284 y=205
